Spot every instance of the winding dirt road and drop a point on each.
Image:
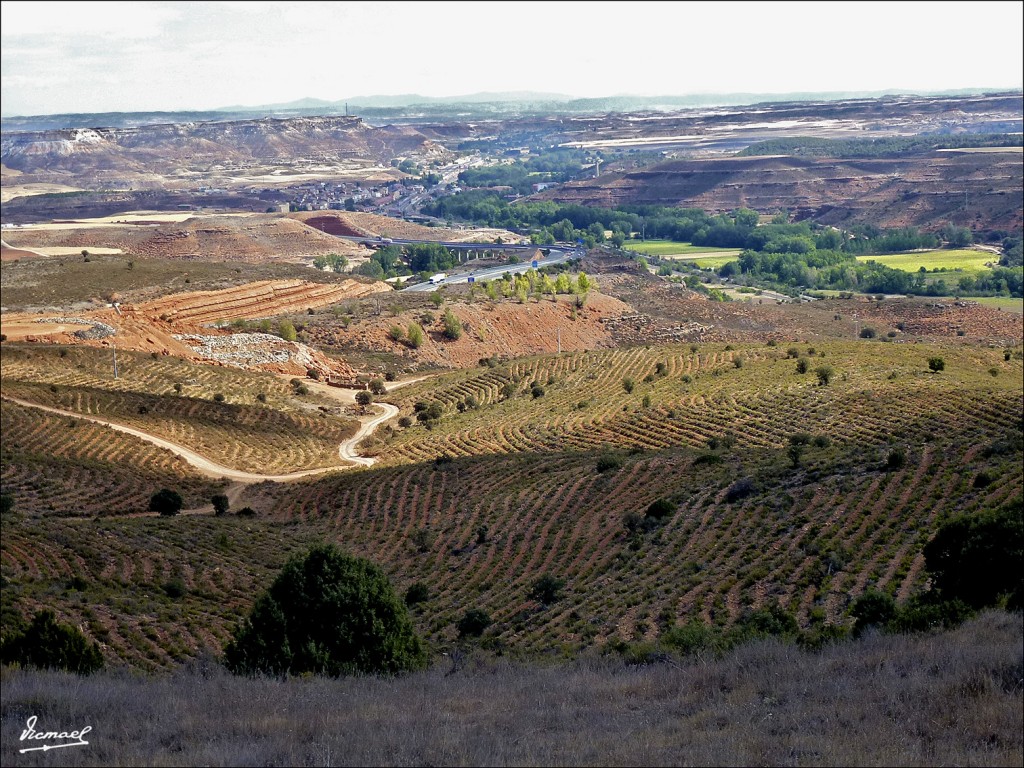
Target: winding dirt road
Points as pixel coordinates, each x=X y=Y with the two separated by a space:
x=346 y=450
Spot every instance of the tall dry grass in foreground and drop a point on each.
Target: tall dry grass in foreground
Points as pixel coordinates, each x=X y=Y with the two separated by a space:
x=950 y=699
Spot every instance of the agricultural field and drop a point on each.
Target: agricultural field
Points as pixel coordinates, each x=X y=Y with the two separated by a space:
x=249 y=422
x=1003 y=303
x=515 y=483
x=61 y=281
x=672 y=248
x=961 y=260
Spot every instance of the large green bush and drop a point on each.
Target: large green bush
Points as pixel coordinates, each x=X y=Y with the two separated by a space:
x=977 y=558
x=166 y=502
x=49 y=645
x=326 y=613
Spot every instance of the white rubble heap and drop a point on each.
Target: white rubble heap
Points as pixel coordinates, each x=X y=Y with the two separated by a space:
x=96 y=329
x=244 y=350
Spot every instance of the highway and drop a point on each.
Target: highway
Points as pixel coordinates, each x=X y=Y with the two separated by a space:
x=556 y=255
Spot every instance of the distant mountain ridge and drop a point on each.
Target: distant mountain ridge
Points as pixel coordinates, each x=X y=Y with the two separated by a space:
x=470 y=106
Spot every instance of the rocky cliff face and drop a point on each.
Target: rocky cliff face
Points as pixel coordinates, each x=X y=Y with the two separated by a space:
x=184 y=150
x=977 y=189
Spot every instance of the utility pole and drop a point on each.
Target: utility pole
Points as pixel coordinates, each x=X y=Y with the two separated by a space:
x=559 y=341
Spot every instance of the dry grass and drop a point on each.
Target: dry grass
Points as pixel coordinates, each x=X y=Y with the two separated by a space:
x=951 y=699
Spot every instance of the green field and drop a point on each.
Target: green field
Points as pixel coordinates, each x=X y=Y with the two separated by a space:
x=672 y=248
x=1005 y=303
x=714 y=261
x=965 y=260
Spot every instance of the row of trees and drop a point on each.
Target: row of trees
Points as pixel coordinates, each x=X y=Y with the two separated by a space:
x=809 y=146
x=553 y=222
x=835 y=270
x=555 y=165
x=534 y=283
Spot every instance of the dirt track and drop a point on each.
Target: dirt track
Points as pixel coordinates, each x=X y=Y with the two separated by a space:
x=346 y=450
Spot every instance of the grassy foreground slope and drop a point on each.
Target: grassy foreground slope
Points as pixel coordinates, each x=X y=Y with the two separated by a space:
x=953 y=698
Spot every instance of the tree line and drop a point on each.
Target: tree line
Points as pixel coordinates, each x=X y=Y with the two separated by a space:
x=809 y=146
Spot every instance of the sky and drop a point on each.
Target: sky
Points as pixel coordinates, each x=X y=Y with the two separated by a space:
x=163 y=56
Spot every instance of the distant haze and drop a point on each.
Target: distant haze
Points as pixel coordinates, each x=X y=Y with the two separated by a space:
x=147 y=56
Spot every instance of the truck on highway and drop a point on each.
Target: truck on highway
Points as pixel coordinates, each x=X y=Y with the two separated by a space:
x=438 y=278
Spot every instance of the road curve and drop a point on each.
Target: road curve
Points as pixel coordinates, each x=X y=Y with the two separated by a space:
x=346 y=450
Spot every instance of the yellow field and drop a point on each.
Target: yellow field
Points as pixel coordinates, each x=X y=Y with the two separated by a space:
x=967 y=260
x=76 y=250
x=11 y=191
x=131 y=218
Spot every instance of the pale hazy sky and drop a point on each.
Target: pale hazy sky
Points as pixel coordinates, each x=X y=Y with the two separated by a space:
x=131 y=56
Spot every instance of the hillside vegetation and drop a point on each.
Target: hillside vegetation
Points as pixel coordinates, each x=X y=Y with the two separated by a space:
x=534 y=466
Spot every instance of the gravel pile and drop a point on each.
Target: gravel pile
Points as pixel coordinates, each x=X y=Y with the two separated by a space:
x=96 y=329
x=248 y=349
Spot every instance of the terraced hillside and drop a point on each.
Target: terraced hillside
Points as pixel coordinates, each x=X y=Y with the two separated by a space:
x=173 y=399
x=69 y=468
x=484 y=501
x=234 y=238
x=359 y=224
x=688 y=394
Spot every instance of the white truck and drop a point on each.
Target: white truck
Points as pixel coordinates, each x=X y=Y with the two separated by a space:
x=438 y=278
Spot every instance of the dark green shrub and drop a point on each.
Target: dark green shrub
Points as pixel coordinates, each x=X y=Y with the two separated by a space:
x=802 y=365
x=452 y=326
x=771 y=621
x=46 y=644
x=822 y=635
x=175 y=588
x=707 y=458
x=692 y=638
x=740 y=489
x=221 y=504
x=660 y=509
x=431 y=412
x=976 y=558
x=982 y=479
x=417 y=593
x=166 y=502
x=547 y=589
x=868 y=332
x=473 y=623
x=872 y=609
x=326 y=613
x=896 y=459
x=608 y=462
x=923 y=613
x=936 y=364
